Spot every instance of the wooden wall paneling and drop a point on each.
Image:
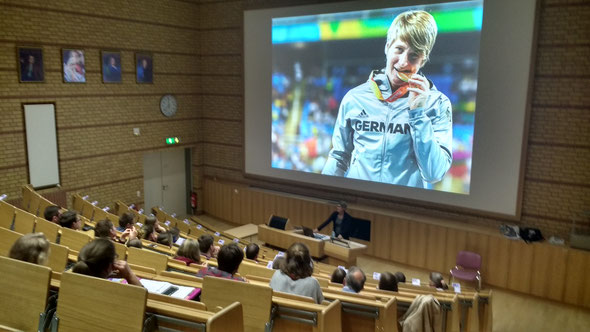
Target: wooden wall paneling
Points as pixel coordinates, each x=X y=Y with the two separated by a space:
x=519 y=271
x=267 y=205
x=549 y=267
x=272 y=202
x=279 y=207
x=214 y=199
x=227 y=204
x=207 y=188
x=253 y=206
x=383 y=241
x=257 y=208
x=478 y=243
x=586 y=287
x=245 y=206
x=497 y=261
x=236 y=204
x=289 y=206
x=285 y=206
x=456 y=241
x=417 y=241
x=399 y=238
x=576 y=277
x=316 y=214
x=307 y=214
x=264 y=206
x=294 y=208
x=303 y=213
x=542 y=262
x=218 y=200
x=436 y=239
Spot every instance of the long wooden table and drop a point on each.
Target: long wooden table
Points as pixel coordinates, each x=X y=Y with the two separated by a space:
x=342 y=252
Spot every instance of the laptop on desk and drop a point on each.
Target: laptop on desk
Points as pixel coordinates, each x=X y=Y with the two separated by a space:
x=309 y=232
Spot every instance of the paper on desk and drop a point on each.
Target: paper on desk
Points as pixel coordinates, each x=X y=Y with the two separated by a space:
x=182 y=292
x=160 y=287
x=154 y=286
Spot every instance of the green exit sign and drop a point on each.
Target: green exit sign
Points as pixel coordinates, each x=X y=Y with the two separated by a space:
x=172 y=140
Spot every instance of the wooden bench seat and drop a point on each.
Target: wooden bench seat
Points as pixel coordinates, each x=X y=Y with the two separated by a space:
x=24 y=288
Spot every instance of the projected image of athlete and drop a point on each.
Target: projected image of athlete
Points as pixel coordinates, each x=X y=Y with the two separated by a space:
x=396 y=127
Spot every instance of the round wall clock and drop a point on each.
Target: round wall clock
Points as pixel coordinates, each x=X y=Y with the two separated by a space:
x=168 y=105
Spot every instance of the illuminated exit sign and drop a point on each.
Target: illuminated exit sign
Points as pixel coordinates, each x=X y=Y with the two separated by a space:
x=172 y=140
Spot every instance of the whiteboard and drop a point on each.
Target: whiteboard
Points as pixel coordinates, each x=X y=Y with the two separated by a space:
x=41 y=145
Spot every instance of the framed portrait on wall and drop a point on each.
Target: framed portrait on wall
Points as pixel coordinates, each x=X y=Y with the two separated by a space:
x=74 y=69
x=144 y=68
x=111 y=66
x=30 y=64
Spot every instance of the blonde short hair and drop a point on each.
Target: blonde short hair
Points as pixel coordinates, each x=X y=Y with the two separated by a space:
x=190 y=249
x=416 y=28
x=32 y=248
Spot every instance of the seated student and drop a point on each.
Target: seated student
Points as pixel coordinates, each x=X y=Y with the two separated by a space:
x=136 y=243
x=99 y=259
x=126 y=221
x=165 y=239
x=437 y=281
x=252 y=250
x=105 y=228
x=189 y=252
x=149 y=233
x=400 y=277
x=175 y=232
x=128 y=234
x=276 y=264
x=388 y=282
x=52 y=214
x=208 y=249
x=151 y=225
x=152 y=221
x=70 y=219
x=355 y=280
x=294 y=275
x=338 y=276
x=32 y=248
x=228 y=261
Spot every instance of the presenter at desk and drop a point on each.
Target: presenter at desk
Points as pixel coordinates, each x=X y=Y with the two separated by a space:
x=342 y=222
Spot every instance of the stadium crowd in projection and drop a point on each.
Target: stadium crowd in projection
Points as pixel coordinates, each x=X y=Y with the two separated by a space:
x=318 y=59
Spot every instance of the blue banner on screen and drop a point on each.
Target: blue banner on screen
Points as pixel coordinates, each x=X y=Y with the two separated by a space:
x=385 y=95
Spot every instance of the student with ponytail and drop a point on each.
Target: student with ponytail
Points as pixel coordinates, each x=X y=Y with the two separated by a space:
x=294 y=274
x=99 y=259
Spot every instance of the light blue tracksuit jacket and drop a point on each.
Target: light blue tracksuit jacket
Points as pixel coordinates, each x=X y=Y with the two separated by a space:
x=387 y=142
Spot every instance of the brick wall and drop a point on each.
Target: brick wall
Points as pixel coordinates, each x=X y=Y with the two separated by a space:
x=98 y=153
x=197 y=47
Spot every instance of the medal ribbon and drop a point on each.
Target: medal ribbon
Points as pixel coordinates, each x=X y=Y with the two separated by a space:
x=401 y=91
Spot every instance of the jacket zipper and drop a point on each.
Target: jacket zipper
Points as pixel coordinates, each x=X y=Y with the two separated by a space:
x=384 y=142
